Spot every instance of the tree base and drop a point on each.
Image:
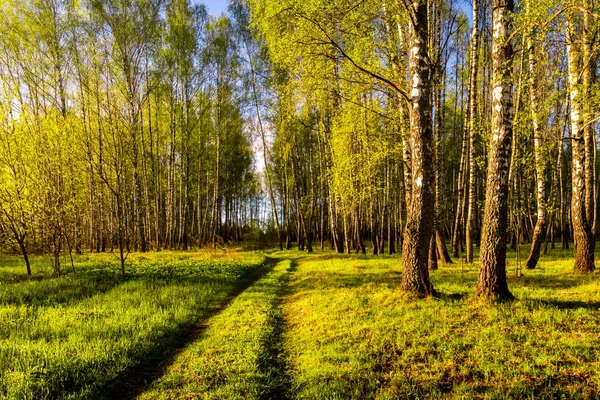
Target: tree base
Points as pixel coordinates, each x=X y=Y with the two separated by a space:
x=420 y=292
x=584 y=268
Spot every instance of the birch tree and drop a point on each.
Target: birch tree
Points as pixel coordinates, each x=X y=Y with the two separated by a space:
x=492 y=282
x=582 y=227
x=419 y=224
x=472 y=126
x=538 y=148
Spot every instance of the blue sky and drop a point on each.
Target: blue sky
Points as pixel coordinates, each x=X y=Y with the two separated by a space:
x=215 y=7
x=467 y=7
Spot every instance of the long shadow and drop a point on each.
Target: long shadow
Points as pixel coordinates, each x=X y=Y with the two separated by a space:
x=553 y=282
x=452 y=297
x=336 y=257
x=454 y=277
x=58 y=291
x=16 y=278
x=570 y=304
x=390 y=278
x=351 y=280
x=73 y=288
x=272 y=362
x=133 y=381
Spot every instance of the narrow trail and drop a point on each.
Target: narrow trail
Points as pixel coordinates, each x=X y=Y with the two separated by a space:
x=134 y=381
x=272 y=361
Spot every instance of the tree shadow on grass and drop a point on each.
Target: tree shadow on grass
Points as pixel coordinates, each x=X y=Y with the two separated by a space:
x=153 y=363
x=454 y=277
x=382 y=278
x=8 y=278
x=339 y=256
x=73 y=288
x=58 y=291
x=551 y=282
x=570 y=304
x=452 y=297
x=340 y=280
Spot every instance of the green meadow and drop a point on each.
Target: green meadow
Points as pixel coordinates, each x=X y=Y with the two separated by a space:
x=229 y=324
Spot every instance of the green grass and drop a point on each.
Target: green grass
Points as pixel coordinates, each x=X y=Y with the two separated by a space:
x=239 y=356
x=353 y=334
x=322 y=326
x=80 y=335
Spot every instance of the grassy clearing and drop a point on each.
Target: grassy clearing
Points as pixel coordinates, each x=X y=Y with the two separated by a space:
x=323 y=326
x=352 y=334
x=79 y=336
x=240 y=356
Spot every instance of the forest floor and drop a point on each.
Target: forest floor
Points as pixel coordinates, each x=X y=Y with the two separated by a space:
x=231 y=324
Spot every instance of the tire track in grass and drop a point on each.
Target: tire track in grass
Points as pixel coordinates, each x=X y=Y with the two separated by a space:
x=272 y=361
x=132 y=382
x=240 y=356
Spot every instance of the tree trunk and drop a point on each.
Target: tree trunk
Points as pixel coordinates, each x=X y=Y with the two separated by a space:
x=492 y=268
x=564 y=193
x=442 y=250
x=588 y=127
x=472 y=133
x=540 y=162
x=437 y=242
x=460 y=182
x=588 y=75
x=433 y=259
x=419 y=225
x=25 y=254
x=582 y=229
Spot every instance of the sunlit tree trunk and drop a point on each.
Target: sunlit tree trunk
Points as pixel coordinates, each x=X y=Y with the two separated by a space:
x=540 y=162
x=492 y=267
x=438 y=247
x=419 y=226
x=582 y=229
x=473 y=87
x=456 y=234
x=588 y=76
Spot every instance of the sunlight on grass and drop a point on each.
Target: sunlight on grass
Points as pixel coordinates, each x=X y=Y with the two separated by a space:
x=319 y=326
x=73 y=336
x=233 y=359
x=353 y=334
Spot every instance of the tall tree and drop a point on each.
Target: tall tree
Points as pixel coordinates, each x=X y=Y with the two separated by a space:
x=582 y=227
x=472 y=129
x=538 y=149
x=419 y=224
x=492 y=282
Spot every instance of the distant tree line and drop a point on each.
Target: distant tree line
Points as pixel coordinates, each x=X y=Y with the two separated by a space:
x=383 y=126
x=123 y=126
